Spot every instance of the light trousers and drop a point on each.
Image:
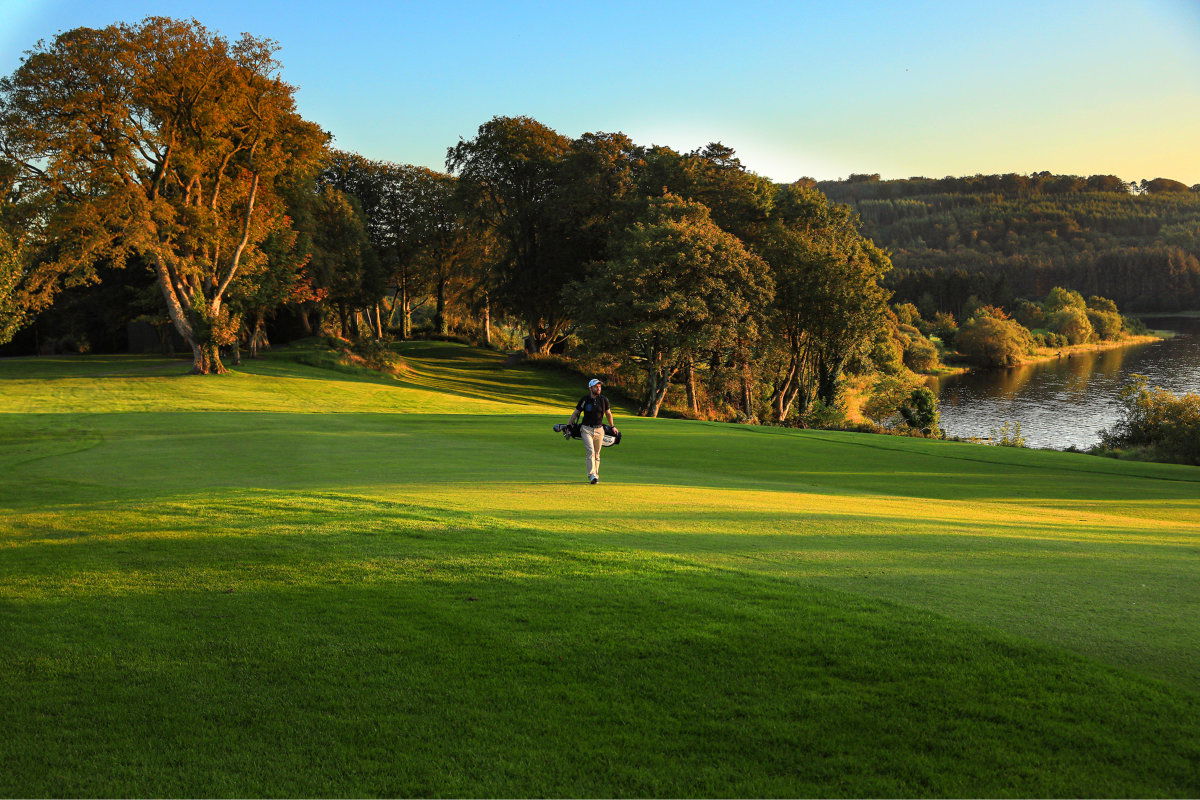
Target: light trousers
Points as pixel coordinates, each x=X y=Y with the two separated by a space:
x=593 y=443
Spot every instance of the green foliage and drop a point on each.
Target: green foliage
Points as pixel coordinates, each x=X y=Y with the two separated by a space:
x=907 y=314
x=1134 y=325
x=344 y=264
x=1045 y=338
x=12 y=270
x=921 y=355
x=944 y=326
x=887 y=394
x=1030 y=314
x=829 y=305
x=1071 y=322
x=1008 y=435
x=993 y=342
x=887 y=351
x=1059 y=298
x=510 y=174
x=824 y=416
x=1107 y=325
x=676 y=286
x=1162 y=425
x=920 y=411
x=1002 y=236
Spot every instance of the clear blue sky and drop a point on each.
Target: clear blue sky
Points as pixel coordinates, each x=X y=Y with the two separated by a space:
x=797 y=88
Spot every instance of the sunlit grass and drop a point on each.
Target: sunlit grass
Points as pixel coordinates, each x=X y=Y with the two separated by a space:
x=298 y=581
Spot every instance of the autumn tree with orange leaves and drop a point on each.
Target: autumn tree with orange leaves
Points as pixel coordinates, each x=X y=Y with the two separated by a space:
x=163 y=140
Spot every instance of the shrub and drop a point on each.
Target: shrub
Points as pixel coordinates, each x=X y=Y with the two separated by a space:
x=887 y=351
x=1073 y=323
x=994 y=342
x=1106 y=324
x=1008 y=435
x=377 y=355
x=907 y=314
x=920 y=355
x=1060 y=298
x=1045 y=338
x=1097 y=303
x=1029 y=314
x=1162 y=425
x=821 y=415
x=920 y=411
x=1134 y=325
x=886 y=396
x=945 y=327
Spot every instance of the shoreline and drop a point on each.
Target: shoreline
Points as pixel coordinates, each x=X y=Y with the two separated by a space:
x=1044 y=354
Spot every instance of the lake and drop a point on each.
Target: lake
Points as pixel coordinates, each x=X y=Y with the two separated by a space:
x=1070 y=400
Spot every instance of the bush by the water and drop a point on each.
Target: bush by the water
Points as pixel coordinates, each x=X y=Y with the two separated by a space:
x=920 y=411
x=994 y=342
x=1155 y=424
x=1072 y=323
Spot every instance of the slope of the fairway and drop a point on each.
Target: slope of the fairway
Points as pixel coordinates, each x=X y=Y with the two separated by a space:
x=290 y=580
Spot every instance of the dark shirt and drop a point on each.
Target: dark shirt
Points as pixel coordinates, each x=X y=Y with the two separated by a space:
x=593 y=409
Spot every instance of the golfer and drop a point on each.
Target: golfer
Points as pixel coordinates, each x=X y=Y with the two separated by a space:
x=594 y=407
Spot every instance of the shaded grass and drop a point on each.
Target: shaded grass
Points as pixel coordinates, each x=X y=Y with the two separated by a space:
x=299 y=582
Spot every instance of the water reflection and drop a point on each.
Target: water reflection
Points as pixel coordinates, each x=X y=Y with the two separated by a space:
x=1069 y=400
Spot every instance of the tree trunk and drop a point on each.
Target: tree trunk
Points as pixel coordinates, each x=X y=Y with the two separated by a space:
x=747 y=397
x=651 y=391
x=378 y=321
x=256 y=335
x=439 y=314
x=804 y=398
x=663 y=382
x=206 y=359
x=304 y=321
x=829 y=374
x=691 y=389
x=405 y=311
x=487 y=320
x=392 y=308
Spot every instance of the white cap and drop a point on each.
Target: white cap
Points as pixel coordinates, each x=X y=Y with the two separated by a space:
x=593 y=382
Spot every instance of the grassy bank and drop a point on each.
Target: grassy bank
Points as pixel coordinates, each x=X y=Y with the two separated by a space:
x=298 y=581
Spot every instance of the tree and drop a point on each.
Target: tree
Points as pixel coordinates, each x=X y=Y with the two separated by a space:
x=1059 y=298
x=406 y=208
x=164 y=140
x=12 y=270
x=509 y=173
x=994 y=342
x=344 y=264
x=281 y=277
x=1155 y=420
x=676 y=286
x=920 y=411
x=1071 y=322
x=1163 y=185
x=829 y=304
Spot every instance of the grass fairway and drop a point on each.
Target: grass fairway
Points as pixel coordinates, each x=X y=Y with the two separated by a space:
x=297 y=581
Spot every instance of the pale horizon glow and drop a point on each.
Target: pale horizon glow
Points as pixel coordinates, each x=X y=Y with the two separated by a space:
x=798 y=89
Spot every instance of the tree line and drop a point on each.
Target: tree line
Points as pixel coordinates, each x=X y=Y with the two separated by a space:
x=157 y=171
x=1006 y=236
x=159 y=168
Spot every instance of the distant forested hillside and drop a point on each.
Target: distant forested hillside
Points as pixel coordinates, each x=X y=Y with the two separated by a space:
x=1005 y=236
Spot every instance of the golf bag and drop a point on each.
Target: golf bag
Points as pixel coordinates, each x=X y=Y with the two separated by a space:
x=611 y=435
